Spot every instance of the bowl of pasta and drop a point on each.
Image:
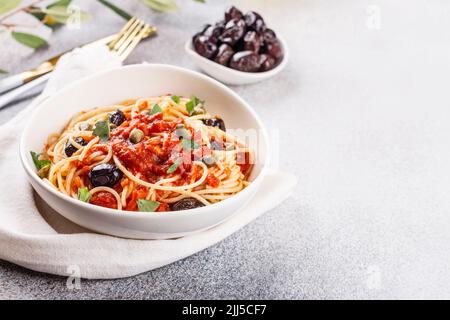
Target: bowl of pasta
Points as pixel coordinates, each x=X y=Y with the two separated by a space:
x=145 y=151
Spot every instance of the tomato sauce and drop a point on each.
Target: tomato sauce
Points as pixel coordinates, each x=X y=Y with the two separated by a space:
x=104 y=199
x=152 y=157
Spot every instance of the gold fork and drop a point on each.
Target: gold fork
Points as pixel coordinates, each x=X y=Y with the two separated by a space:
x=130 y=36
x=123 y=43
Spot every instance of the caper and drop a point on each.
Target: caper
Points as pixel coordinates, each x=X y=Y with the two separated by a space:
x=209 y=160
x=43 y=172
x=199 y=109
x=85 y=126
x=229 y=146
x=136 y=135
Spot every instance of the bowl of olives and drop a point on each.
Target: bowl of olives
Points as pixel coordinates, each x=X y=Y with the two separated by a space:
x=240 y=49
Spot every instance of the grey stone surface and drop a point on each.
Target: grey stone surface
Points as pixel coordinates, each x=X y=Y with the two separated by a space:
x=361 y=114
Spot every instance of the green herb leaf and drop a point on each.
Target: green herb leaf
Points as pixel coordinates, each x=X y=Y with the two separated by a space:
x=175 y=99
x=39 y=163
x=8 y=5
x=147 y=205
x=189 y=145
x=29 y=40
x=192 y=104
x=101 y=130
x=173 y=167
x=59 y=3
x=161 y=5
x=3 y=71
x=116 y=9
x=84 y=194
x=62 y=14
x=155 y=109
x=37 y=13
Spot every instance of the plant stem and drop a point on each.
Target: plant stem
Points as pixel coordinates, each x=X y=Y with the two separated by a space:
x=20 y=8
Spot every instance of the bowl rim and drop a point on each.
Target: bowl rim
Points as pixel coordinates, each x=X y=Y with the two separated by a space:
x=249 y=75
x=137 y=214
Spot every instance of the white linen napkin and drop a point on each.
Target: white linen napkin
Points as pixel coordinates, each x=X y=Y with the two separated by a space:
x=34 y=236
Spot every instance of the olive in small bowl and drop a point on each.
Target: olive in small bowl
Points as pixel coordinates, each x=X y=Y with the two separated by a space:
x=240 y=49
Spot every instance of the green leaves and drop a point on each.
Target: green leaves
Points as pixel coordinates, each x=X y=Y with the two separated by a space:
x=62 y=14
x=161 y=5
x=60 y=3
x=147 y=205
x=101 y=130
x=175 y=99
x=116 y=9
x=155 y=109
x=28 y=39
x=3 y=71
x=39 y=163
x=8 y=5
x=84 y=194
x=194 y=104
x=173 y=167
x=42 y=166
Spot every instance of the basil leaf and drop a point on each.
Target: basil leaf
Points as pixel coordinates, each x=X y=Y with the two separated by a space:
x=39 y=163
x=155 y=109
x=84 y=194
x=175 y=99
x=116 y=9
x=8 y=5
x=59 y=3
x=190 y=107
x=62 y=14
x=101 y=130
x=192 y=103
x=173 y=167
x=189 y=145
x=147 y=205
x=161 y=5
x=28 y=39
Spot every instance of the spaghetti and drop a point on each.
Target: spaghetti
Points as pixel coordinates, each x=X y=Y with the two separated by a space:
x=162 y=153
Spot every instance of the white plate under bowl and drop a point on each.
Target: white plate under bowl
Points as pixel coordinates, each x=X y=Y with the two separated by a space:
x=136 y=81
x=231 y=76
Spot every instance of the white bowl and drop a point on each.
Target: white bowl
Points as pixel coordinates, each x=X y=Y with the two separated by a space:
x=231 y=76
x=136 y=81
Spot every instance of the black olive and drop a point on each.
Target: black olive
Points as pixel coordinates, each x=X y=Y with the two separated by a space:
x=186 y=204
x=224 y=54
x=70 y=149
x=117 y=117
x=215 y=122
x=213 y=32
x=252 y=41
x=234 y=30
x=232 y=13
x=275 y=49
x=267 y=62
x=246 y=61
x=105 y=175
x=254 y=21
x=269 y=35
x=204 y=47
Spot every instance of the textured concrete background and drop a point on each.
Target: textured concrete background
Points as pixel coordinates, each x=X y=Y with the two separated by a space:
x=362 y=112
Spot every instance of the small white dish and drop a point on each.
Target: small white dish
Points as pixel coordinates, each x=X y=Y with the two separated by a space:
x=110 y=87
x=230 y=76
